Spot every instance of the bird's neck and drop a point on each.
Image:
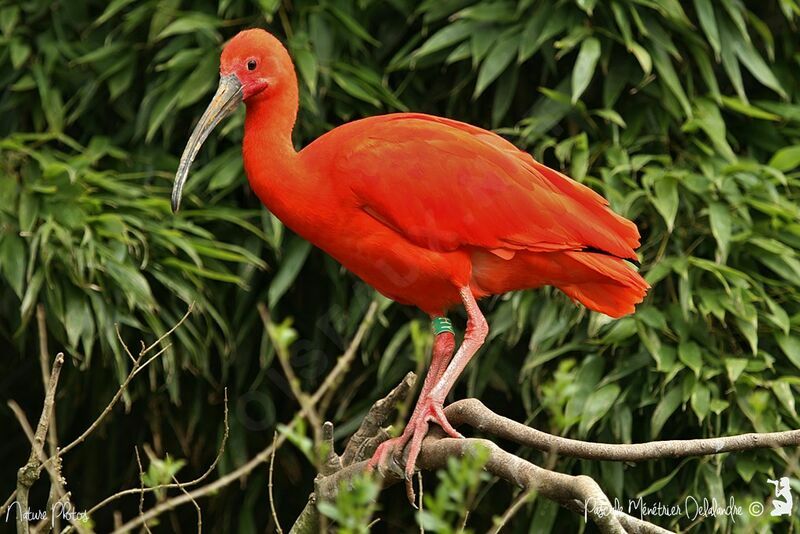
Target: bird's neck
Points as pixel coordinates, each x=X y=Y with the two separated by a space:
x=273 y=167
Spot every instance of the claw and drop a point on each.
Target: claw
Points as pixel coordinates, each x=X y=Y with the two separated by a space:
x=412 y=498
x=441 y=420
x=417 y=428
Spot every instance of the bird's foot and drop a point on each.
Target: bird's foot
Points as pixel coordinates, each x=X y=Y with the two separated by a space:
x=427 y=410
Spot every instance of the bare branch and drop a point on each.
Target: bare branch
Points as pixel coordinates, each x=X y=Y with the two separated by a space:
x=474 y=413
x=188 y=484
x=168 y=332
x=194 y=502
x=29 y=473
x=54 y=471
x=269 y=487
x=303 y=399
x=44 y=363
x=141 y=488
x=375 y=418
x=52 y=432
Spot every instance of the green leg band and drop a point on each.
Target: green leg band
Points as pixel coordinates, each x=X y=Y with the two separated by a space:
x=442 y=325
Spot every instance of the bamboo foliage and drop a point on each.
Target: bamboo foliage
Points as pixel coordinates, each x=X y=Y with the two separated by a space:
x=685 y=115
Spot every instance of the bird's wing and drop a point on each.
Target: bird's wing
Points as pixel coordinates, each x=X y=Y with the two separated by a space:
x=444 y=185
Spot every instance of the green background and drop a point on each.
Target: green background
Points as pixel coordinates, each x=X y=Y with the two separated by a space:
x=685 y=115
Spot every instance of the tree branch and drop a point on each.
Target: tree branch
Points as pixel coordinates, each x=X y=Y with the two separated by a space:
x=580 y=494
x=475 y=414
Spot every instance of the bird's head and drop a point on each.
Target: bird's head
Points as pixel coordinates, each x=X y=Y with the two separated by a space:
x=254 y=66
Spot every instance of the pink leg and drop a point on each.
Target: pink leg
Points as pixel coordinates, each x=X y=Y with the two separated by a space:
x=430 y=404
x=443 y=346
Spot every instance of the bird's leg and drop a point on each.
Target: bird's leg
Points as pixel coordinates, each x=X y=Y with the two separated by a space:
x=430 y=404
x=443 y=346
x=477 y=330
x=433 y=404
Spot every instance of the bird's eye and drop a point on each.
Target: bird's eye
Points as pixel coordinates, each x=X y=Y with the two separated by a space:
x=251 y=64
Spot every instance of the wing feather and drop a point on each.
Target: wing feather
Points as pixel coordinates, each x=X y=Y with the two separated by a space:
x=444 y=185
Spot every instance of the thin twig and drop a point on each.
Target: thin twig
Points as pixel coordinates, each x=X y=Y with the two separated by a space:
x=188 y=484
x=170 y=331
x=269 y=486
x=137 y=367
x=524 y=497
x=141 y=487
x=421 y=495
x=303 y=399
x=264 y=455
x=194 y=502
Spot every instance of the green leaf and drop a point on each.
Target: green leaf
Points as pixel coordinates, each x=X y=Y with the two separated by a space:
x=735 y=366
x=783 y=390
x=755 y=64
x=78 y=319
x=20 y=52
x=744 y=108
x=611 y=116
x=790 y=345
x=13 y=258
x=113 y=7
x=540 y=28
x=746 y=468
x=708 y=21
x=352 y=25
x=586 y=5
x=296 y=253
x=708 y=117
x=720 y=220
x=132 y=282
x=667 y=72
x=269 y=7
x=307 y=65
x=660 y=483
x=700 y=400
x=448 y=36
x=689 y=353
x=749 y=329
x=642 y=56
x=665 y=199
x=29 y=299
x=597 y=406
x=355 y=88
x=191 y=23
x=664 y=409
x=495 y=63
x=50 y=97
x=584 y=67
x=204 y=272
x=786 y=159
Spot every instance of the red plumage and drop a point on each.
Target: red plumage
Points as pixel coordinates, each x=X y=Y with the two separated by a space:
x=449 y=187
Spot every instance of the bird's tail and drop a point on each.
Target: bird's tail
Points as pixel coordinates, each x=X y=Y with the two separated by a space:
x=607 y=284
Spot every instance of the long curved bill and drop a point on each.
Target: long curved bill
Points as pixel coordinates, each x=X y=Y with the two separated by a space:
x=225 y=101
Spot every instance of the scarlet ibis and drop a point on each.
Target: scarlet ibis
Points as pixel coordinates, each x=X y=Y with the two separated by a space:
x=429 y=211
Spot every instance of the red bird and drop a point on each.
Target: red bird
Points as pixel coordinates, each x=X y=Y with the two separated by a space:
x=429 y=211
